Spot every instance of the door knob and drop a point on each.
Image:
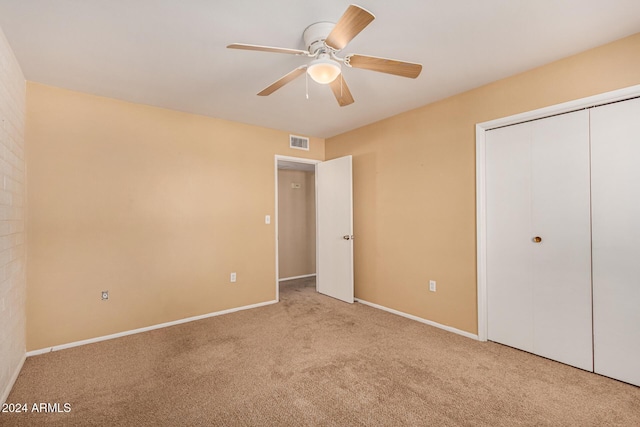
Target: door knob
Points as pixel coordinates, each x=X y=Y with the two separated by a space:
x=537 y=239
x=347 y=237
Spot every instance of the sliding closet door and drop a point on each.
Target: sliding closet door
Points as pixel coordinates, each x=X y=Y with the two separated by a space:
x=615 y=141
x=538 y=238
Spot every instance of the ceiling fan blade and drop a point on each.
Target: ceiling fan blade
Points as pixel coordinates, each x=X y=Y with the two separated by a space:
x=384 y=65
x=283 y=81
x=341 y=91
x=267 y=49
x=354 y=20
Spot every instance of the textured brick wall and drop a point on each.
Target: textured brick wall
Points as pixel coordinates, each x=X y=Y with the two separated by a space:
x=12 y=213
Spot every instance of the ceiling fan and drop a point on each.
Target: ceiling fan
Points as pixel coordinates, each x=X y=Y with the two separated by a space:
x=324 y=41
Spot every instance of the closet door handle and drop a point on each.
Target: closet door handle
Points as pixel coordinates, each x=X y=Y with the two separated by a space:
x=537 y=239
x=347 y=237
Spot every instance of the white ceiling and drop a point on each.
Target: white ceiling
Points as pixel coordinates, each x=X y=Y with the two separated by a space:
x=172 y=53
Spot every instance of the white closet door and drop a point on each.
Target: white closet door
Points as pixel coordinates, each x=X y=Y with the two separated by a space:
x=509 y=257
x=562 y=313
x=615 y=142
x=539 y=294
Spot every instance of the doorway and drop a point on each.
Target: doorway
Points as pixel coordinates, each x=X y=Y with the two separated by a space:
x=333 y=196
x=295 y=219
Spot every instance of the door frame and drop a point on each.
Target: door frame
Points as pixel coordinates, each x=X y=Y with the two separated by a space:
x=481 y=208
x=294 y=160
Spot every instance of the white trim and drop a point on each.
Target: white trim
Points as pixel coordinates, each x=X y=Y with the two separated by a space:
x=481 y=233
x=315 y=201
x=419 y=319
x=297 y=160
x=12 y=380
x=297 y=277
x=147 y=328
x=481 y=225
x=275 y=221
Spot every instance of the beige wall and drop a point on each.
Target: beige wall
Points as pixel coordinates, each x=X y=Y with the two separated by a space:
x=12 y=195
x=159 y=207
x=414 y=182
x=156 y=206
x=296 y=223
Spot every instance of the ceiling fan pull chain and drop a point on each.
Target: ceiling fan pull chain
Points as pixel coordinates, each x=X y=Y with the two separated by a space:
x=306 y=80
x=341 y=80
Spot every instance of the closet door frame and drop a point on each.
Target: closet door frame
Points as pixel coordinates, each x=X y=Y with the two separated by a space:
x=481 y=208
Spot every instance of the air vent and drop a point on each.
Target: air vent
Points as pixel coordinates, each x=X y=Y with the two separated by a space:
x=298 y=142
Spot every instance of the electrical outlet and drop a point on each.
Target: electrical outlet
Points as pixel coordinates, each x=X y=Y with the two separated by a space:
x=105 y=295
x=432 y=285
x=233 y=277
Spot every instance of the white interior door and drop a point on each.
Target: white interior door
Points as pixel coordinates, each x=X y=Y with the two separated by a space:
x=334 y=222
x=615 y=143
x=537 y=185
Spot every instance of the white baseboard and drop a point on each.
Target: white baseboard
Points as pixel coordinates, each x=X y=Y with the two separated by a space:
x=297 y=277
x=145 y=329
x=12 y=381
x=419 y=319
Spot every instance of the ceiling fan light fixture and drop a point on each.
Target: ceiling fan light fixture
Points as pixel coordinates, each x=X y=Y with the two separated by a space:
x=324 y=70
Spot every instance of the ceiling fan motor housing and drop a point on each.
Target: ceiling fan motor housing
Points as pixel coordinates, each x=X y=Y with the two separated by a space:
x=315 y=35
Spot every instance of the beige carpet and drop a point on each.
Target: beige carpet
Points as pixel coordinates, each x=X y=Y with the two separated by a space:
x=313 y=361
